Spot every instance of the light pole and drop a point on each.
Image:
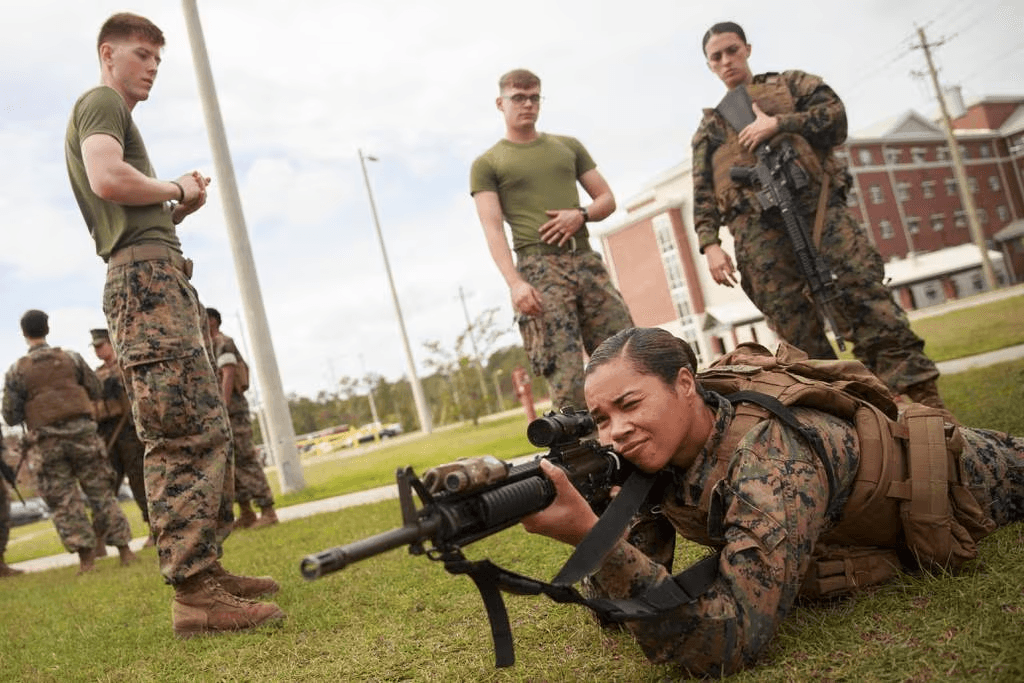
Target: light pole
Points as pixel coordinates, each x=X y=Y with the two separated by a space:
x=426 y=425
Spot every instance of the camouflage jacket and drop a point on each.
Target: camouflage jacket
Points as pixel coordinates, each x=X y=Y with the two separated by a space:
x=765 y=516
x=820 y=118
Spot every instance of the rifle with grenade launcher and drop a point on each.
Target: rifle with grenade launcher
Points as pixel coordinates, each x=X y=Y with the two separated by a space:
x=778 y=180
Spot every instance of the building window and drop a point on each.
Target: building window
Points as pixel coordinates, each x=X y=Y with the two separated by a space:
x=930 y=292
x=917 y=154
x=914 y=225
x=982 y=216
x=993 y=183
x=673 y=267
x=960 y=219
x=885 y=227
x=1003 y=213
x=972 y=184
x=928 y=189
x=985 y=151
x=938 y=221
x=950 y=187
x=892 y=156
x=977 y=282
x=876 y=194
x=865 y=157
x=903 y=191
x=963 y=152
x=942 y=153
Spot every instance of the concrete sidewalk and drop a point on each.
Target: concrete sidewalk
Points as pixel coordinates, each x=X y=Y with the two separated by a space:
x=390 y=491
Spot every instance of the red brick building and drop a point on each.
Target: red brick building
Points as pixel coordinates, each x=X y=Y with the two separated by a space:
x=904 y=195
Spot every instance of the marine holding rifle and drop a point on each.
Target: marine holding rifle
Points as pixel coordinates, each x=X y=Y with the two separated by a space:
x=801 y=108
x=820 y=493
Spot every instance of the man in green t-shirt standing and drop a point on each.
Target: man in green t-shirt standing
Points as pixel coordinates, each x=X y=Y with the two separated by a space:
x=158 y=330
x=564 y=299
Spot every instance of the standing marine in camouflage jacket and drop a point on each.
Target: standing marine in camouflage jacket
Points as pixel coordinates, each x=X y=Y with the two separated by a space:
x=113 y=412
x=804 y=109
x=764 y=513
x=50 y=390
x=251 y=485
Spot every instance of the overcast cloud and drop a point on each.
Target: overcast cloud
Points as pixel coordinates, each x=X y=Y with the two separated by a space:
x=303 y=85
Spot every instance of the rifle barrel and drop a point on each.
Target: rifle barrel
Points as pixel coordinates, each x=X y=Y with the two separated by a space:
x=339 y=557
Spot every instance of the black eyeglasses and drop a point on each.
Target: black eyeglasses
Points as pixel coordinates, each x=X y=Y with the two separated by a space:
x=522 y=99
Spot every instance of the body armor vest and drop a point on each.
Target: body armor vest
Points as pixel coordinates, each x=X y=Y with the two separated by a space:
x=908 y=492
x=774 y=98
x=54 y=392
x=114 y=402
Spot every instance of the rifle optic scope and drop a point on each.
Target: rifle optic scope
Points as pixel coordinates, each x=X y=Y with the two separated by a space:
x=556 y=428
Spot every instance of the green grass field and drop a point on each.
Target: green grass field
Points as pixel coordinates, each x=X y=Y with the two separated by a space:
x=402 y=618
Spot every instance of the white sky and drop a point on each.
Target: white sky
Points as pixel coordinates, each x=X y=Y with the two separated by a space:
x=304 y=84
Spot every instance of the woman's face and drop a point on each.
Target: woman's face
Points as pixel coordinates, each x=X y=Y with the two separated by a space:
x=648 y=422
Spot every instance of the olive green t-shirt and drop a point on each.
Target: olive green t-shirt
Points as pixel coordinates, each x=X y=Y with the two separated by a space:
x=113 y=226
x=531 y=178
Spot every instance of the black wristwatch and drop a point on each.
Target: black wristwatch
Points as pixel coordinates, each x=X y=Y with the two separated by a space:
x=586 y=215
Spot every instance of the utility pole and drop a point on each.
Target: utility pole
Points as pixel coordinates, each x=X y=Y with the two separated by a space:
x=966 y=200
x=280 y=436
x=476 y=352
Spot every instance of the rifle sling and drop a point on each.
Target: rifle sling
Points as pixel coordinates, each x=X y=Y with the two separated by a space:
x=681 y=589
x=609 y=529
x=819 y=218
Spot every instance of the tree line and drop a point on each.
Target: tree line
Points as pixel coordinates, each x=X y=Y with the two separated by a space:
x=463 y=386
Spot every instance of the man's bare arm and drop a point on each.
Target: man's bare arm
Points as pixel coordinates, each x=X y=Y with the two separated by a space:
x=488 y=207
x=115 y=180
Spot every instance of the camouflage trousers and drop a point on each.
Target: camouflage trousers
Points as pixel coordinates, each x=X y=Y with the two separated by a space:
x=157 y=328
x=126 y=457
x=250 y=480
x=5 y=518
x=582 y=308
x=866 y=313
x=72 y=461
x=992 y=465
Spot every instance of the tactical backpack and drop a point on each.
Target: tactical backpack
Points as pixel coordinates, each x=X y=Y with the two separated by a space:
x=908 y=504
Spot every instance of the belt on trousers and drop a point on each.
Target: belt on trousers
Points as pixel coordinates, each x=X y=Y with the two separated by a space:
x=150 y=252
x=573 y=246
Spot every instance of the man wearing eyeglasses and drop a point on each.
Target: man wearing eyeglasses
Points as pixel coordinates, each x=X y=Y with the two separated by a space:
x=564 y=300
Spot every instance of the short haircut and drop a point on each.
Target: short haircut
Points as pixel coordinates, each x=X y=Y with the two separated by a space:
x=213 y=313
x=651 y=351
x=35 y=324
x=720 y=28
x=125 y=25
x=518 y=78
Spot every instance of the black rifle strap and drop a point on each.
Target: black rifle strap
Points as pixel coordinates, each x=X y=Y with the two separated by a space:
x=777 y=408
x=608 y=530
x=682 y=589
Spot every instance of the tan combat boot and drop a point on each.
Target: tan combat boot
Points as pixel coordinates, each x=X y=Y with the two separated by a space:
x=85 y=560
x=926 y=393
x=244 y=586
x=201 y=607
x=247 y=517
x=267 y=517
x=101 y=548
x=126 y=554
